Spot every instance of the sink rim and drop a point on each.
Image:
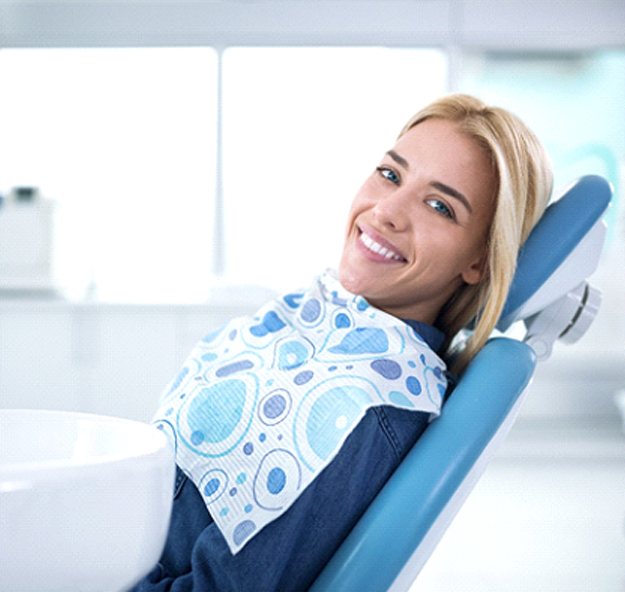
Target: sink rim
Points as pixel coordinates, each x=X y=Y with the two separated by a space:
x=154 y=444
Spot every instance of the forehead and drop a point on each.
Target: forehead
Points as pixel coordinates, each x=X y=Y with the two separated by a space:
x=441 y=139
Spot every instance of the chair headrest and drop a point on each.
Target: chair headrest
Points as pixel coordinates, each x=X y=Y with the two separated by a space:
x=559 y=253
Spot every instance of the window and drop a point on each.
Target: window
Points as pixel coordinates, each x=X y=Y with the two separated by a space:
x=303 y=127
x=123 y=141
x=574 y=103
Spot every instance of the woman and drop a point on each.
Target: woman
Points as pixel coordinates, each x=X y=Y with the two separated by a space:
x=512 y=169
x=431 y=243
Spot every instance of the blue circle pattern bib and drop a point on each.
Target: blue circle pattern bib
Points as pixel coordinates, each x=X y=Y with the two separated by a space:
x=263 y=405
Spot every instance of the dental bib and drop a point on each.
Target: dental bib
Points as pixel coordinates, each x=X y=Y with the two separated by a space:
x=263 y=405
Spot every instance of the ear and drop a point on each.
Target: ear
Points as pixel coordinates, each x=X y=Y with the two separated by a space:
x=474 y=273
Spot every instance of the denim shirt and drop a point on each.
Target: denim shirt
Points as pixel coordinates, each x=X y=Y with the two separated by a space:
x=289 y=553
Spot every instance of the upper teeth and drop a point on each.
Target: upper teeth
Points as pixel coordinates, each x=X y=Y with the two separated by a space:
x=378 y=248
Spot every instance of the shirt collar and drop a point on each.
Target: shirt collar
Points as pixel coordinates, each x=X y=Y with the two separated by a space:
x=431 y=335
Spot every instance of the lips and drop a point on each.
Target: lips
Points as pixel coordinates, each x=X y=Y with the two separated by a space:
x=378 y=246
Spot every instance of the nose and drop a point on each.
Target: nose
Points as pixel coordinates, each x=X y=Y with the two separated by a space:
x=391 y=211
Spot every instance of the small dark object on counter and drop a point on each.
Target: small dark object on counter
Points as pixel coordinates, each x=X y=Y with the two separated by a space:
x=25 y=193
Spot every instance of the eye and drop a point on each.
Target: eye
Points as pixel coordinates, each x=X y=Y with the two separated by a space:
x=388 y=174
x=442 y=208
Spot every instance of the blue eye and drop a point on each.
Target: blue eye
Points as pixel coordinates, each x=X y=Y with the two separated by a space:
x=441 y=207
x=388 y=174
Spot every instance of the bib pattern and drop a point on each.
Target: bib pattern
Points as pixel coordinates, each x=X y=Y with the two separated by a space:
x=261 y=406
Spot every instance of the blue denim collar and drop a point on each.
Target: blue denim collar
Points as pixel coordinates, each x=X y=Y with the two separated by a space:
x=433 y=337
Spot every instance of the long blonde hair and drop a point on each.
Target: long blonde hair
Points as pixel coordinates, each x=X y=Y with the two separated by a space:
x=524 y=182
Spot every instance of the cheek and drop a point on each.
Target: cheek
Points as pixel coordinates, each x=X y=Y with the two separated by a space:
x=442 y=250
x=349 y=224
x=362 y=200
x=359 y=205
x=433 y=235
x=477 y=243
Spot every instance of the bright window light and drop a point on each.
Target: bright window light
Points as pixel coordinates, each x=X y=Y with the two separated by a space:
x=574 y=103
x=123 y=141
x=303 y=127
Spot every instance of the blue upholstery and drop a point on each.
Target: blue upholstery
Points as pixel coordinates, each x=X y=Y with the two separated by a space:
x=562 y=226
x=393 y=526
x=439 y=465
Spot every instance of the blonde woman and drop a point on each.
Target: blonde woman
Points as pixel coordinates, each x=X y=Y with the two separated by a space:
x=494 y=152
x=286 y=424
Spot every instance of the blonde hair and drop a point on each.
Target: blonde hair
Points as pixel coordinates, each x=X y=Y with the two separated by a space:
x=524 y=182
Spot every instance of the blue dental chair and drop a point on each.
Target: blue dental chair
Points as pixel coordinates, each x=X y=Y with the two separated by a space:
x=392 y=541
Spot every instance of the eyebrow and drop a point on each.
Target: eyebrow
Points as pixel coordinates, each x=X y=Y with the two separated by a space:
x=452 y=193
x=400 y=160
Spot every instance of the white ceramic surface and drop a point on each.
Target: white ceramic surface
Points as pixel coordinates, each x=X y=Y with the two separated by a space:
x=85 y=501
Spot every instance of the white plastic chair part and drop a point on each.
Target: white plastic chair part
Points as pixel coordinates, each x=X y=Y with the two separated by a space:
x=566 y=319
x=580 y=264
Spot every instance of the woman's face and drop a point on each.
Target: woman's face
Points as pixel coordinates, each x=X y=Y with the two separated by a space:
x=418 y=227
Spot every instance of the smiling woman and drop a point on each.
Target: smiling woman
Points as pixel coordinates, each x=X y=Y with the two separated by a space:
x=287 y=423
x=405 y=209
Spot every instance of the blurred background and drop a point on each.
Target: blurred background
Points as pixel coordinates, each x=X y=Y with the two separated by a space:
x=167 y=165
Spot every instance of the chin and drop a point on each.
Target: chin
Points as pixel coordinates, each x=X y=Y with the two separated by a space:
x=349 y=280
x=356 y=283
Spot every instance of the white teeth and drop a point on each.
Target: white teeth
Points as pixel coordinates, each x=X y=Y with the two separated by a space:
x=378 y=248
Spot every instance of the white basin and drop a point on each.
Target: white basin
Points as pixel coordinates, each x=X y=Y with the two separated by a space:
x=85 y=501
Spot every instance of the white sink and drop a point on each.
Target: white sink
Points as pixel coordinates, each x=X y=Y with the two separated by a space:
x=85 y=501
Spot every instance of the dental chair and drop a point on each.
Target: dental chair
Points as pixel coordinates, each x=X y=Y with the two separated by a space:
x=397 y=534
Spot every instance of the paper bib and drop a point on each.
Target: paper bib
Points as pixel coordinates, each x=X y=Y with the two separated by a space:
x=263 y=405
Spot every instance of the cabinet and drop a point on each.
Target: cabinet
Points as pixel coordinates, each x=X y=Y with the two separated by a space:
x=96 y=358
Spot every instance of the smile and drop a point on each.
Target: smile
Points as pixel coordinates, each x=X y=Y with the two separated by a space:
x=379 y=249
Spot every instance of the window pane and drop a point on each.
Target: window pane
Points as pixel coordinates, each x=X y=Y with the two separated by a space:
x=574 y=103
x=303 y=127
x=123 y=141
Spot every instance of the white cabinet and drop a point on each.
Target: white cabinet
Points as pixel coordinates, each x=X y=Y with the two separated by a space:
x=37 y=365
x=126 y=355
x=96 y=358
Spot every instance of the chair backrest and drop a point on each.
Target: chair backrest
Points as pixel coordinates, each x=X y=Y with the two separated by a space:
x=562 y=250
x=396 y=535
